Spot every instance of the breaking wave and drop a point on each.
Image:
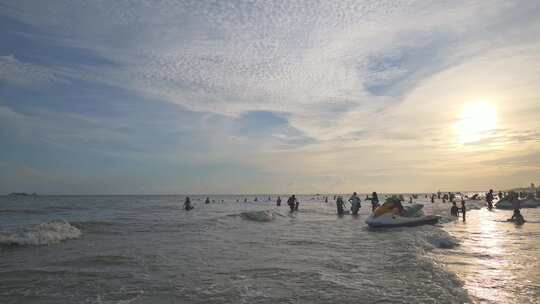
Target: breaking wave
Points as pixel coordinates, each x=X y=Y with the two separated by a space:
x=259 y=216
x=445 y=241
x=41 y=234
x=429 y=238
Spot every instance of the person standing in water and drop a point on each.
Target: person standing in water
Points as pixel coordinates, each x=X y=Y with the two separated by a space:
x=291 y=202
x=278 y=202
x=463 y=209
x=374 y=201
x=326 y=199
x=339 y=205
x=355 y=203
x=296 y=204
x=187 y=204
x=489 y=199
x=433 y=198
x=454 y=211
x=207 y=201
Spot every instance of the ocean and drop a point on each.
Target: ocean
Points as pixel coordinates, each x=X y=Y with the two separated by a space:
x=148 y=249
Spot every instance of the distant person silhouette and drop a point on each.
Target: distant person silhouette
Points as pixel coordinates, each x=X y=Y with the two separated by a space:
x=291 y=202
x=454 y=211
x=517 y=217
x=463 y=209
x=339 y=205
x=355 y=203
x=187 y=204
x=489 y=199
x=374 y=201
x=278 y=202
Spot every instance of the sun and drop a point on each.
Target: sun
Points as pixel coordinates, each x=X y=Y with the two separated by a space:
x=476 y=122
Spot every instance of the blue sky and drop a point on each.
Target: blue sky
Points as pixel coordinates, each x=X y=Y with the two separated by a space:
x=267 y=96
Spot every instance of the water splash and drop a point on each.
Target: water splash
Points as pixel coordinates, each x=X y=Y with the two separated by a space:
x=42 y=234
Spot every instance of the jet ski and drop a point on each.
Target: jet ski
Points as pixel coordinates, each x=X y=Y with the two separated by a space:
x=392 y=214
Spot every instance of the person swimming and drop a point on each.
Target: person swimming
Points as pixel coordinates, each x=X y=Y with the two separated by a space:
x=517 y=217
x=355 y=203
x=454 y=211
x=187 y=204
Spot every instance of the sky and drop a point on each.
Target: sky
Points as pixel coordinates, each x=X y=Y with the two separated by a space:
x=187 y=97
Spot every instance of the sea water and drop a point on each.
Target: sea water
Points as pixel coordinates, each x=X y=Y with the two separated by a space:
x=148 y=249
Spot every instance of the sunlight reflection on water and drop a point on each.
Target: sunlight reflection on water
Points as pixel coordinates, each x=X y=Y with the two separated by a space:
x=494 y=263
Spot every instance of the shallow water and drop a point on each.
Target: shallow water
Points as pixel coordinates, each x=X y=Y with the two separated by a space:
x=147 y=249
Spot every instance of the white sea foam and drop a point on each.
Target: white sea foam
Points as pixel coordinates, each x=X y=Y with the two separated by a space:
x=434 y=237
x=42 y=234
x=443 y=241
x=259 y=216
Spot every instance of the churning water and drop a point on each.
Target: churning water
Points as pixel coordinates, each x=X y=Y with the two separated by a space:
x=147 y=249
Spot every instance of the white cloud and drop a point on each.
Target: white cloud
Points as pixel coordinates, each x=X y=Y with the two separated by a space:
x=362 y=76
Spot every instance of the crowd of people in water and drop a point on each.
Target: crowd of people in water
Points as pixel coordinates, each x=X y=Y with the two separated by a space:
x=455 y=211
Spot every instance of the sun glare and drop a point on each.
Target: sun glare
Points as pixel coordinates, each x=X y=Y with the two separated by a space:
x=476 y=122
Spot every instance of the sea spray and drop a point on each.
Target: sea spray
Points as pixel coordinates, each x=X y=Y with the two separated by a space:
x=41 y=234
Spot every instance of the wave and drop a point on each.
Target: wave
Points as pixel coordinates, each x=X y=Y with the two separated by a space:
x=442 y=240
x=431 y=237
x=92 y=224
x=103 y=227
x=260 y=216
x=41 y=234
